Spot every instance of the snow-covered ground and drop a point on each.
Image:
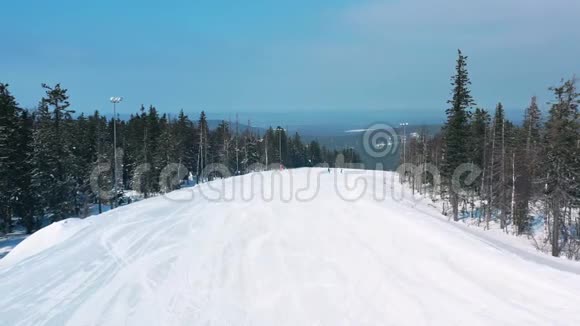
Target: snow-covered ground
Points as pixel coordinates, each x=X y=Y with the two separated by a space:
x=9 y=241
x=317 y=250
x=47 y=237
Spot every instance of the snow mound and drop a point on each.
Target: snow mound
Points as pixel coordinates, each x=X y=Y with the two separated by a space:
x=292 y=247
x=9 y=241
x=43 y=239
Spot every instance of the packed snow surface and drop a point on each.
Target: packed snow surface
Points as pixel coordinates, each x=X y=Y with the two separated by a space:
x=317 y=248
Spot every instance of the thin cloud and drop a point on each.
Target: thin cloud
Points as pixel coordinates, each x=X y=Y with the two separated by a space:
x=515 y=21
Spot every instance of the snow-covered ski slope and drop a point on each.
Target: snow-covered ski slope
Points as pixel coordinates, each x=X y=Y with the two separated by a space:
x=319 y=256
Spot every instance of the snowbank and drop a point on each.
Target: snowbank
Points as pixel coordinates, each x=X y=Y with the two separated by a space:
x=43 y=239
x=9 y=241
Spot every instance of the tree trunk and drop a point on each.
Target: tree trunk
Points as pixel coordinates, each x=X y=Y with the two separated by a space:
x=454 y=201
x=555 y=228
x=513 y=202
x=503 y=183
x=490 y=194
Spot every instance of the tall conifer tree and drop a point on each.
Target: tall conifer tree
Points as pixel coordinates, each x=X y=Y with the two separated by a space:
x=457 y=129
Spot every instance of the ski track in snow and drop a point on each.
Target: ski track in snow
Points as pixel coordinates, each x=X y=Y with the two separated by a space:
x=327 y=261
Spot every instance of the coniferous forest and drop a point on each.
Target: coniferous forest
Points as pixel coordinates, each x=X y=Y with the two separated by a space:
x=489 y=168
x=520 y=170
x=49 y=156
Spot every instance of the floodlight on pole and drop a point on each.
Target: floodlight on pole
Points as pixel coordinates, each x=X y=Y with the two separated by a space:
x=115 y=100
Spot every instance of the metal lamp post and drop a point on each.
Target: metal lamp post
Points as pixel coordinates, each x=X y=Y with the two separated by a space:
x=115 y=101
x=404 y=125
x=280 y=129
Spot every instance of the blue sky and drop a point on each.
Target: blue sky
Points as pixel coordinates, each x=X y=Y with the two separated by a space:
x=287 y=56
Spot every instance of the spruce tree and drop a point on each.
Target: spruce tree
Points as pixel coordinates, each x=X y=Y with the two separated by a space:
x=203 y=145
x=149 y=170
x=184 y=141
x=457 y=129
x=52 y=179
x=297 y=152
x=498 y=162
x=479 y=127
x=9 y=127
x=102 y=141
x=223 y=151
x=526 y=164
x=25 y=205
x=562 y=143
x=270 y=147
x=251 y=152
x=166 y=152
x=315 y=155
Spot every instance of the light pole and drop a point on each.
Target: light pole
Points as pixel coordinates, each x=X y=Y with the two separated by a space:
x=404 y=139
x=115 y=100
x=280 y=129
